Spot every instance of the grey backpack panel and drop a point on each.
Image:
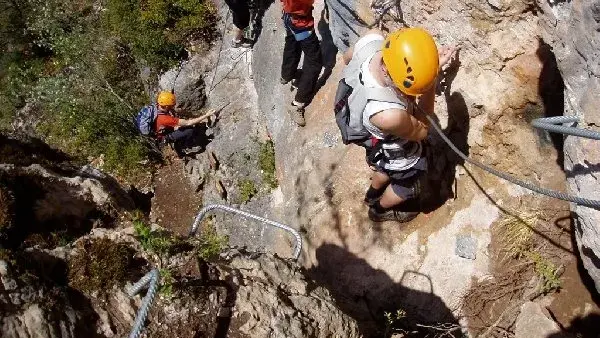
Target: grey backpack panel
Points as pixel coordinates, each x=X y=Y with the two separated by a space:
x=352 y=97
x=357 y=101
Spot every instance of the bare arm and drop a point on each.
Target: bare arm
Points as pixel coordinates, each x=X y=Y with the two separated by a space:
x=399 y=122
x=196 y=120
x=190 y=122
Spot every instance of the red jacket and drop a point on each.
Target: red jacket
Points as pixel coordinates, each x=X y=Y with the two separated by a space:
x=301 y=12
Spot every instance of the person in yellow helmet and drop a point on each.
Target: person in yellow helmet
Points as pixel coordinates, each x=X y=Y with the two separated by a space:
x=164 y=125
x=394 y=74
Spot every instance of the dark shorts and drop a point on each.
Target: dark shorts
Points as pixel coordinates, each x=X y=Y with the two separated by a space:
x=240 y=12
x=406 y=183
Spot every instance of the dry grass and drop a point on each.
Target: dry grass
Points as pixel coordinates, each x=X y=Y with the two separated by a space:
x=516 y=235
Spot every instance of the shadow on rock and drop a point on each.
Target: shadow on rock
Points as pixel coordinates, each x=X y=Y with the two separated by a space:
x=551 y=89
x=438 y=186
x=366 y=294
x=328 y=48
x=25 y=151
x=580 y=327
x=257 y=12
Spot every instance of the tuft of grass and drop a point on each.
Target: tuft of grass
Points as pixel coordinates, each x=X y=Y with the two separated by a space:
x=155 y=241
x=518 y=243
x=211 y=243
x=266 y=161
x=166 y=283
x=517 y=234
x=247 y=190
x=99 y=265
x=547 y=272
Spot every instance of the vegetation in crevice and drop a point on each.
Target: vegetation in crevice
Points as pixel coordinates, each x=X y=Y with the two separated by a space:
x=518 y=239
x=6 y=208
x=100 y=264
x=210 y=244
x=266 y=161
x=247 y=190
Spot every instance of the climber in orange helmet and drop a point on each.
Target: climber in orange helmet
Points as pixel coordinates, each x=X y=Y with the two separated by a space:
x=160 y=121
x=406 y=63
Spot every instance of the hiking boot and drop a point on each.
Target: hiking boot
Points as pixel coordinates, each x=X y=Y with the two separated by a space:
x=392 y=215
x=297 y=114
x=243 y=42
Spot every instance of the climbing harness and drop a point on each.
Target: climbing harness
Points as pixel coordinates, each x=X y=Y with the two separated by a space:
x=150 y=280
x=539 y=123
x=206 y=209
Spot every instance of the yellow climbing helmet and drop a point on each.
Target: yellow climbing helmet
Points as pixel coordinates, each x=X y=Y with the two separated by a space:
x=166 y=99
x=411 y=58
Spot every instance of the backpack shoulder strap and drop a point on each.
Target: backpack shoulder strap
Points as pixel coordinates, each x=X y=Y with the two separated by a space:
x=367 y=50
x=383 y=95
x=360 y=56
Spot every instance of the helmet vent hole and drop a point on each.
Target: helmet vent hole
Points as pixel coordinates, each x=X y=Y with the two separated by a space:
x=409 y=70
x=387 y=45
x=407 y=84
x=411 y=78
x=405 y=61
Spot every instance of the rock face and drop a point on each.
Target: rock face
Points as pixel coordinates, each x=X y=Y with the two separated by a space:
x=31 y=307
x=274 y=298
x=573 y=30
x=504 y=77
x=51 y=196
x=533 y=323
x=52 y=289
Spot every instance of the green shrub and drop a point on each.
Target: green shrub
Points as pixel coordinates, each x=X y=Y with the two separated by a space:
x=211 y=244
x=155 y=241
x=158 y=30
x=166 y=283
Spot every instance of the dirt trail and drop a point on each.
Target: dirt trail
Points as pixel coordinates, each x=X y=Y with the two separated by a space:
x=175 y=202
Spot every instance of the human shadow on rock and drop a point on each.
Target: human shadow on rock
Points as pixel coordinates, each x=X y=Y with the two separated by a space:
x=366 y=294
x=257 y=13
x=439 y=182
x=328 y=49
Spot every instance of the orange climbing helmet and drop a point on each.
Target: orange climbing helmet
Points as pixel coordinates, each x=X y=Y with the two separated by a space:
x=411 y=58
x=166 y=99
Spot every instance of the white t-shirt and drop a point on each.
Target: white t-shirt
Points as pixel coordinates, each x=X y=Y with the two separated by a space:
x=372 y=107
